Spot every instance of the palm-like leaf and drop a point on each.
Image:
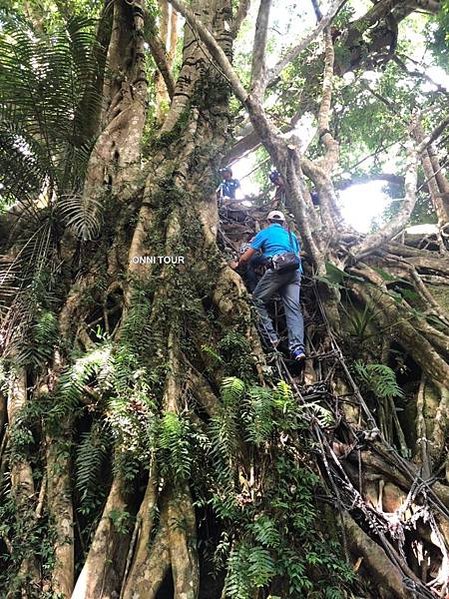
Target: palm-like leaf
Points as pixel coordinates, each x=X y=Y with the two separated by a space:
x=83 y=219
x=45 y=143
x=43 y=81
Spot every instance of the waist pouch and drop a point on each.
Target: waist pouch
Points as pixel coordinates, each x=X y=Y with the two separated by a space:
x=285 y=262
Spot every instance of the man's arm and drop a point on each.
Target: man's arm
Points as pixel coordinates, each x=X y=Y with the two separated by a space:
x=244 y=258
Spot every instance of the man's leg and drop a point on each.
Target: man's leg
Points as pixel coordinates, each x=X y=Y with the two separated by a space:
x=266 y=288
x=293 y=315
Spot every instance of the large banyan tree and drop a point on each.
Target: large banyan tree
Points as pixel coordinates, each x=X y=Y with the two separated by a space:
x=149 y=447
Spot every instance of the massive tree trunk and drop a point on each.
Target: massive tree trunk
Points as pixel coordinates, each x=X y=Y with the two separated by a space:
x=189 y=471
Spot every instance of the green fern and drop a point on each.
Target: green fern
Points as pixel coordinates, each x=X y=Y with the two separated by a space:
x=259 y=415
x=43 y=81
x=91 y=456
x=45 y=144
x=41 y=341
x=225 y=426
x=248 y=568
x=232 y=392
x=72 y=382
x=261 y=567
x=379 y=378
x=283 y=398
x=174 y=446
x=131 y=411
x=266 y=532
x=237 y=582
x=323 y=416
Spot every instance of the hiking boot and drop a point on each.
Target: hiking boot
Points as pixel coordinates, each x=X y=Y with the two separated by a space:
x=298 y=355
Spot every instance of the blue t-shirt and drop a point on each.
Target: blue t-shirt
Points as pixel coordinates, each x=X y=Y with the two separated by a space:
x=229 y=187
x=275 y=240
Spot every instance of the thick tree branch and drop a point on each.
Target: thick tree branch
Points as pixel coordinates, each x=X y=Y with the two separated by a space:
x=160 y=58
x=242 y=11
x=432 y=183
x=302 y=45
x=216 y=52
x=331 y=157
x=258 y=72
x=251 y=140
x=433 y=135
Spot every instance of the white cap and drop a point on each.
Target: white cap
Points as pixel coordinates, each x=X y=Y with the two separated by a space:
x=276 y=215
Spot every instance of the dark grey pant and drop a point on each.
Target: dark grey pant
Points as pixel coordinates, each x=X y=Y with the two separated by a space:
x=288 y=285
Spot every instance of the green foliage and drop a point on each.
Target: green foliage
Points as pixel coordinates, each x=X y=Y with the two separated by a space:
x=41 y=341
x=225 y=426
x=360 y=322
x=24 y=431
x=437 y=35
x=44 y=80
x=235 y=351
x=335 y=277
x=133 y=426
x=379 y=378
x=174 y=446
x=21 y=437
x=138 y=338
x=72 y=382
x=36 y=542
x=258 y=415
x=92 y=453
x=280 y=539
x=276 y=533
x=265 y=532
x=121 y=520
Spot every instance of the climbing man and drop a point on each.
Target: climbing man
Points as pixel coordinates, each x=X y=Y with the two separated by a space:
x=228 y=185
x=281 y=248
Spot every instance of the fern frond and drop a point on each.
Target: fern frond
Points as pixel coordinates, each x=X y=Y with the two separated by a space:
x=43 y=337
x=224 y=427
x=283 y=398
x=237 y=582
x=324 y=417
x=232 y=391
x=43 y=81
x=261 y=566
x=74 y=379
x=266 y=532
x=91 y=456
x=379 y=378
x=259 y=414
x=174 y=445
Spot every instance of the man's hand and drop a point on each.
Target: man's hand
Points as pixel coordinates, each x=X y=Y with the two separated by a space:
x=234 y=264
